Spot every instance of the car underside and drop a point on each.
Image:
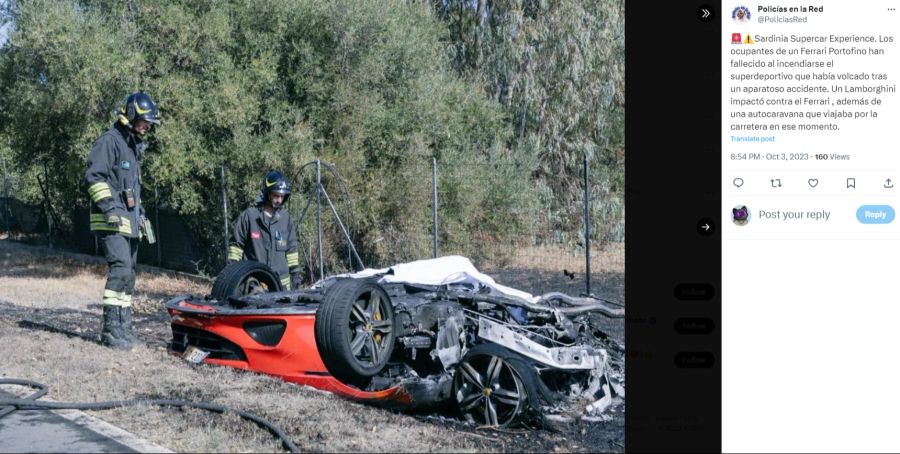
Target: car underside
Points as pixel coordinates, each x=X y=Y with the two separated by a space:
x=416 y=335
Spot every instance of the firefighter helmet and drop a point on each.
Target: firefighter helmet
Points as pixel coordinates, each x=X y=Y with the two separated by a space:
x=275 y=182
x=138 y=106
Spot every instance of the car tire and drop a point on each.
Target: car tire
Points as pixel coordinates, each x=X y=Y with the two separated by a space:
x=516 y=391
x=242 y=278
x=355 y=330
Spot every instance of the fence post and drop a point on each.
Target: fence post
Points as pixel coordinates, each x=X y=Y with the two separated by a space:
x=49 y=208
x=225 y=211
x=587 y=229
x=158 y=229
x=319 y=217
x=6 y=213
x=434 y=203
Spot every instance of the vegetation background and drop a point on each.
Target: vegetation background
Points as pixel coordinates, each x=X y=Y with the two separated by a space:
x=508 y=96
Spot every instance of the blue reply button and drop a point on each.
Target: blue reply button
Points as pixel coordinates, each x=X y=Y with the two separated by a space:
x=875 y=214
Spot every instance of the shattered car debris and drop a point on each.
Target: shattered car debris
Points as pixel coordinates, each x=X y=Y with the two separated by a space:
x=415 y=335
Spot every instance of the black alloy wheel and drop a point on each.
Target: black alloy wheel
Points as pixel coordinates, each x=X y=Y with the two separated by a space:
x=490 y=391
x=355 y=330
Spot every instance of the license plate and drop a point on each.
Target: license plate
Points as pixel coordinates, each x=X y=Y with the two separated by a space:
x=194 y=355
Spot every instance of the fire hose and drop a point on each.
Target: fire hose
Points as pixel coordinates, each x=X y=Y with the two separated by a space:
x=30 y=402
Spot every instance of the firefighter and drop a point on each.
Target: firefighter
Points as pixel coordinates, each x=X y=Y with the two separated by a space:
x=265 y=232
x=117 y=217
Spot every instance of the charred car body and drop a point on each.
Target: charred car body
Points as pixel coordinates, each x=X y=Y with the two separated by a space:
x=419 y=334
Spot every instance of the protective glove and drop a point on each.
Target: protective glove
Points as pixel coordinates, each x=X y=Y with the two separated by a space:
x=113 y=219
x=147 y=230
x=295 y=281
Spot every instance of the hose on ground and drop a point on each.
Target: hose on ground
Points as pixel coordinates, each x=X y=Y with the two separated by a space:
x=7 y=406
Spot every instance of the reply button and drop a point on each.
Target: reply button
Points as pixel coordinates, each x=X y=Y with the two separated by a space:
x=875 y=214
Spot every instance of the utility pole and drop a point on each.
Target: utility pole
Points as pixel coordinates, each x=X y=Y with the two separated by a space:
x=434 y=203
x=319 y=217
x=225 y=210
x=587 y=229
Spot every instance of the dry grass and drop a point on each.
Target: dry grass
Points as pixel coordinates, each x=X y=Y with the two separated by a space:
x=50 y=314
x=36 y=278
x=82 y=371
x=608 y=258
x=79 y=370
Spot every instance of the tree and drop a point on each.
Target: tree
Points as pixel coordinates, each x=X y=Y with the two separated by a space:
x=558 y=69
x=253 y=86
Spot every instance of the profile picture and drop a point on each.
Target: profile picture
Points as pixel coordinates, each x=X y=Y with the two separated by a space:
x=741 y=14
x=740 y=215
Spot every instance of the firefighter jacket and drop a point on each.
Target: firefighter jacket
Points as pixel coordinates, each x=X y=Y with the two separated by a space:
x=267 y=239
x=114 y=181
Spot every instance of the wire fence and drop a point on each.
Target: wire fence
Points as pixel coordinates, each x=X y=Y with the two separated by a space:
x=532 y=243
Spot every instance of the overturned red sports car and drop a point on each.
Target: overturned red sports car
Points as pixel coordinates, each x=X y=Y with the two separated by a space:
x=414 y=335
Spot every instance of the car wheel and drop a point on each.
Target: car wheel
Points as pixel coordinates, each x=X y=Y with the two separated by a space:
x=494 y=387
x=355 y=330
x=244 y=278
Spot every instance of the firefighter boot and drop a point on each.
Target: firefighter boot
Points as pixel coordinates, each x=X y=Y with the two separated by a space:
x=112 y=335
x=127 y=330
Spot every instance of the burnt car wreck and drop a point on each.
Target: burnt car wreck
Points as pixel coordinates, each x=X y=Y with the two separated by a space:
x=415 y=335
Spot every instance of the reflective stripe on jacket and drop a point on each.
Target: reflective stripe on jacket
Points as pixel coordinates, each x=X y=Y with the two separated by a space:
x=114 y=166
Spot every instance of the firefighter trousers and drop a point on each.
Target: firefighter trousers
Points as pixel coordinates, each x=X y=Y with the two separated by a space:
x=121 y=256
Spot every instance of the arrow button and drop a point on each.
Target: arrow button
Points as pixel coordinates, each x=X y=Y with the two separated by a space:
x=705 y=13
x=706 y=227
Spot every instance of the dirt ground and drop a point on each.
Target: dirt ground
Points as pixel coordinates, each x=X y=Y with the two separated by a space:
x=50 y=320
